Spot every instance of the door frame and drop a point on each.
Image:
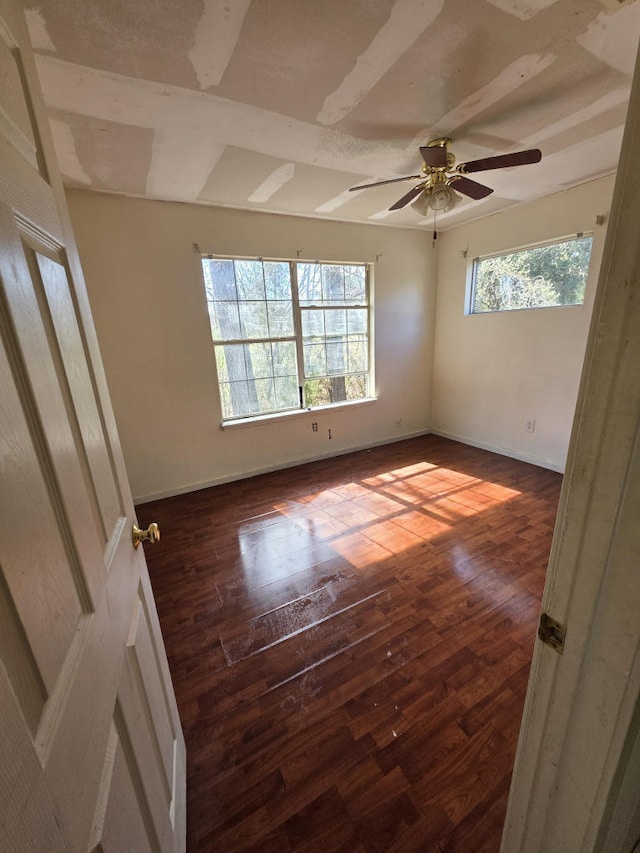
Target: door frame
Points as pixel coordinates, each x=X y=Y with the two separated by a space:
x=573 y=775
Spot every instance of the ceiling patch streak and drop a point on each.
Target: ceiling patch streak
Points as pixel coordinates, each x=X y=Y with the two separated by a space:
x=523 y=9
x=511 y=78
x=338 y=201
x=407 y=21
x=575 y=163
x=65 y=146
x=273 y=183
x=206 y=121
x=381 y=214
x=613 y=38
x=40 y=38
x=215 y=39
x=601 y=105
x=181 y=163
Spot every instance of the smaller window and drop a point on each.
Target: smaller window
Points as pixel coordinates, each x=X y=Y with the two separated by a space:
x=536 y=277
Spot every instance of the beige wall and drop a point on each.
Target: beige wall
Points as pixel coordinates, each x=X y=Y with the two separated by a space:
x=494 y=371
x=490 y=372
x=145 y=287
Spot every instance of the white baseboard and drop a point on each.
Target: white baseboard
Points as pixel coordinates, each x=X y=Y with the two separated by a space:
x=502 y=451
x=244 y=475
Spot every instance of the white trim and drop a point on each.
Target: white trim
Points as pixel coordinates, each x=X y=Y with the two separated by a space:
x=295 y=413
x=502 y=451
x=551 y=241
x=268 y=469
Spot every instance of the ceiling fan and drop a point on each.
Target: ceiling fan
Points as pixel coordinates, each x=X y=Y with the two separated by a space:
x=440 y=176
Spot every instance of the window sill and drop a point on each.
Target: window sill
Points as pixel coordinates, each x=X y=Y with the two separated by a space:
x=277 y=417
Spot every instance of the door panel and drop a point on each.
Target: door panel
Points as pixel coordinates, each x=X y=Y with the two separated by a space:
x=142 y=659
x=36 y=550
x=87 y=416
x=93 y=752
x=124 y=800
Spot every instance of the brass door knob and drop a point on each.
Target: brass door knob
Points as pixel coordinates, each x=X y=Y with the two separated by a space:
x=151 y=534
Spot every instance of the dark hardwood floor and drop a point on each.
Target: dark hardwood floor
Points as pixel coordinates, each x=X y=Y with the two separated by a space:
x=350 y=642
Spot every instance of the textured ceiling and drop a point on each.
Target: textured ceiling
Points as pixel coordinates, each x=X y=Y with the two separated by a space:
x=282 y=105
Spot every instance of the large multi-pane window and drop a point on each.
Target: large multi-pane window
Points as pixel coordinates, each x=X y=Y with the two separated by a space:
x=288 y=334
x=532 y=277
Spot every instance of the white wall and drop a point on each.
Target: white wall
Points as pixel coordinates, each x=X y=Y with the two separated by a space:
x=144 y=282
x=491 y=372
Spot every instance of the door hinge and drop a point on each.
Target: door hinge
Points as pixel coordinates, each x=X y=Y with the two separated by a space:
x=552 y=632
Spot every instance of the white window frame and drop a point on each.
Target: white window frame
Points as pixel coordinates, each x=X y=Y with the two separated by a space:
x=270 y=417
x=472 y=267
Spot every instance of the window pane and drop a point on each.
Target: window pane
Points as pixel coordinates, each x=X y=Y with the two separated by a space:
x=539 y=277
x=277 y=280
x=332 y=283
x=355 y=284
x=284 y=360
x=357 y=387
x=219 y=279
x=253 y=320
x=317 y=392
x=357 y=320
x=335 y=322
x=280 y=319
x=249 y=279
x=258 y=360
x=312 y=324
x=315 y=360
x=225 y=400
x=336 y=357
x=231 y=362
x=239 y=399
x=358 y=356
x=287 y=395
x=309 y=283
x=225 y=322
x=265 y=395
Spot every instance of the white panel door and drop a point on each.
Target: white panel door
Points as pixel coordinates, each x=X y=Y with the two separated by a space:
x=92 y=752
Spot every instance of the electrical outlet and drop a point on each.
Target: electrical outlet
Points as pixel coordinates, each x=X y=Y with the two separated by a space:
x=530 y=425
x=398 y=423
x=314 y=426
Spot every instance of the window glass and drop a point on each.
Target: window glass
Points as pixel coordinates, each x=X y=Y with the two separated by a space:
x=536 y=277
x=263 y=336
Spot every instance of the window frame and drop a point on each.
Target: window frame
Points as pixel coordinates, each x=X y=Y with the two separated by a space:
x=297 y=337
x=472 y=268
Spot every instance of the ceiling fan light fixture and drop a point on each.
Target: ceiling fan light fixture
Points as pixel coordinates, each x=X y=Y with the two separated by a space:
x=441 y=197
x=421 y=204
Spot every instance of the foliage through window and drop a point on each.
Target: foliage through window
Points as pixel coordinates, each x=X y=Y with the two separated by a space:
x=537 y=277
x=287 y=335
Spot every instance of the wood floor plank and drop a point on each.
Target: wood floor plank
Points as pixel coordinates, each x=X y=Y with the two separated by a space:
x=350 y=642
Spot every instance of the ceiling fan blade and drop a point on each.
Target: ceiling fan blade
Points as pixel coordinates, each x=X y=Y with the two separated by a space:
x=390 y=181
x=468 y=187
x=413 y=192
x=502 y=161
x=434 y=156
